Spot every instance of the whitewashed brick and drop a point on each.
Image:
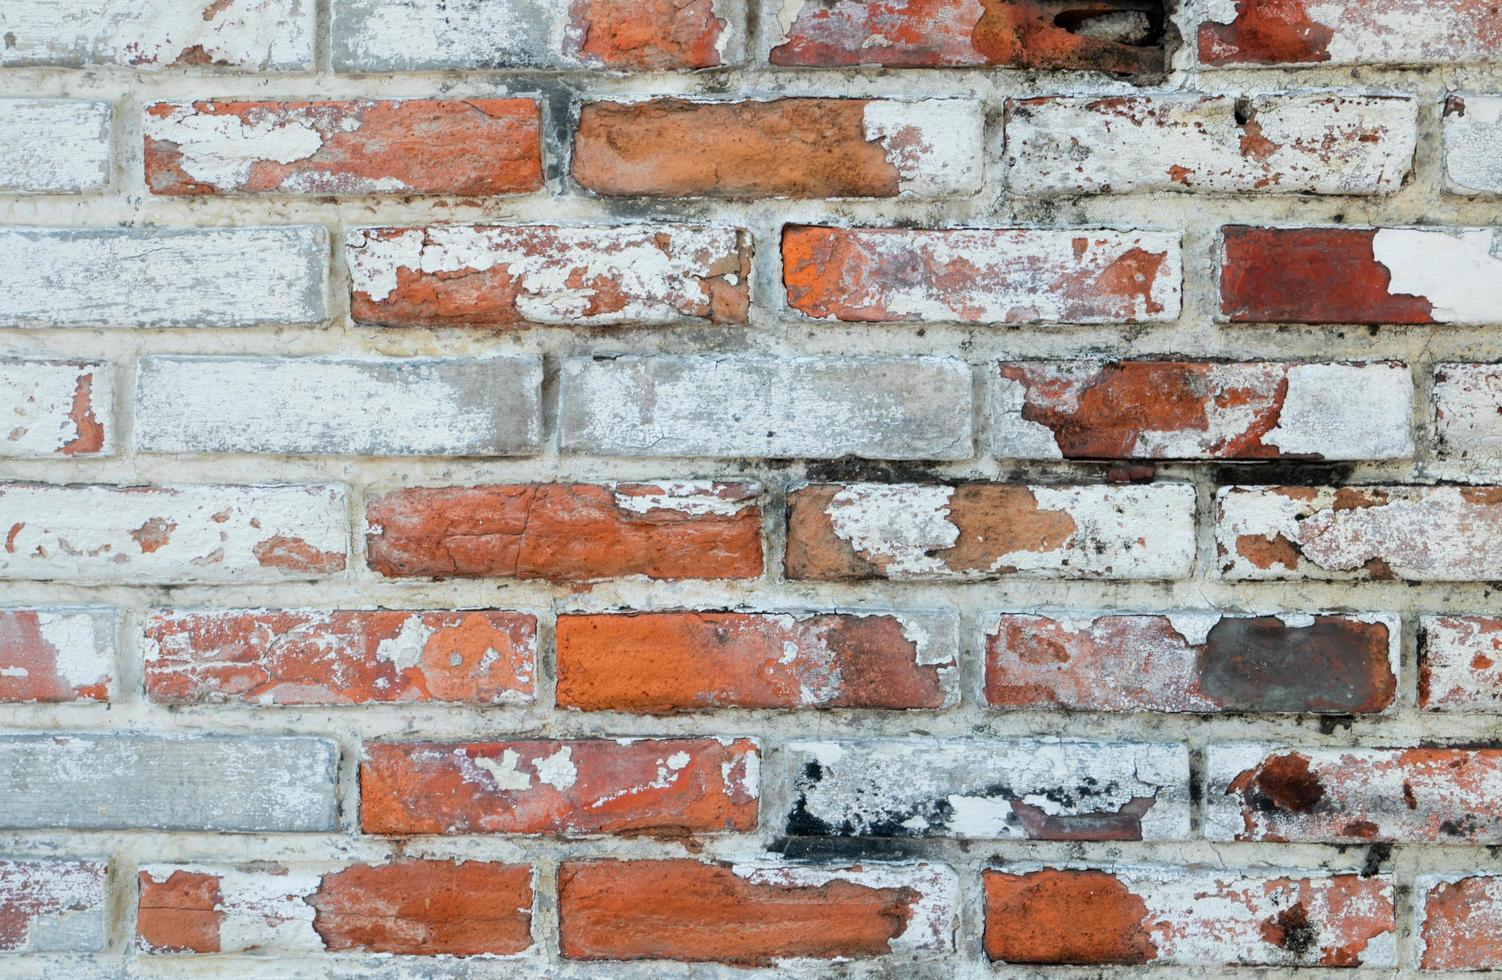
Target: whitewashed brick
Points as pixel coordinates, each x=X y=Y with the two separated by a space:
x=56 y=408
x=56 y=655
x=163 y=277
x=1473 y=144
x=172 y=534
x=815 y=407
x=1460 y=663
x=1468 y=412
x=414 y=407
x=1237 y=33
x=54 y=146
x=52 y=906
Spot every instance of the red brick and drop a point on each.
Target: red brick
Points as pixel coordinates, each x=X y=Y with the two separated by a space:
x=686 y=661
x=568 y=532
x=55 y=655
x=1379 y=32
x=646 y=34
x=1196 y=661
x=1460 y=923
x=418 y=146
x=345 y=657
x=750 y=915
x=666 y=787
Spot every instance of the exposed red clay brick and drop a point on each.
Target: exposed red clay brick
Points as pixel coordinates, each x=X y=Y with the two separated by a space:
x=347 y=657
x=1087 y=917
x=1266 y=32
x=1461 y=925
x=567 y=532
x=31 y=665
x=646 y=34
x=181 y=914
x=664 y=787
x=90 y=432
x=666 y=662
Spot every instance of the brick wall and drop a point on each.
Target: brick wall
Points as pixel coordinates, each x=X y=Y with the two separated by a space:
x=851 y=488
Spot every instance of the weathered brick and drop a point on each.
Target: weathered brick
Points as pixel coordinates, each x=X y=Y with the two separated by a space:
x=753 y=914
x=1467 y=401
x=1421 y=534
x=56 y=408
x=1278 y=143
x=1361 y=275
x=568 y=532
x=1460 y=922
x=56 y=654
x=275 y=656
x=1472 y=137
x=412 y=35
x=474 y=147
x=796 y=148
x=54 y=146
x=52 y=906
x=1193 y=661
x=595 y=786
x=1354 y=795
x=661 y=663
x=804 y=407
x=1188 y=917
x=468 y=275
x=407 y=907
x=1123 y=38
x=916 y=532
x=172 y=534
x=974 y=788
x=1460 y=663
x=1099 y=409
x=490 y=406
x=163 y=277
x=1375 y=32
x=974 y=275
x=247 y=35
x=204 y=783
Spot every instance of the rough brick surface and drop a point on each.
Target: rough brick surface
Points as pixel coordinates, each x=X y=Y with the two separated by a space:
x=56 y=655
x=1378 y=32
x=604 y=786
x=417 y=146
x=52 y=906
x=1472 y=130
x=1460 y=923
x=1168 y=916
x=54 y=146
x=1460 y=663
x=750 y=914
x=56 y=408
x=1468 y=412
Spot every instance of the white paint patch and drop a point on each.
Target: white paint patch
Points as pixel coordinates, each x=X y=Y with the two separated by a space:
x=1012 y=436
x=1459 y=271
x=1346 y=411
x=902 y=523
x=937 y=145
x=54 y=146
x=221 y=148
x=55 y=906
x=1468 y=412
x=37 y=417
x=1473 y=145
x=505 y=773
x=83 y=644
x=559 y=771
x=263 y=911
x=1462 y=663
x=404 y=650
x=412 y=35
x=695 y=498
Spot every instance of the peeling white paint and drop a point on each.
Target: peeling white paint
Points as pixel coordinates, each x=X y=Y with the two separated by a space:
x=1462 y=663
x=1390 y=32
x=54 y=146
x=37 y=415
x=937 y=145
x=696 y=498
x=221 y=148
x=55 y=906
x=1458 y=270
x=1473 y=144
x=1468 y=412
x=1346 y=411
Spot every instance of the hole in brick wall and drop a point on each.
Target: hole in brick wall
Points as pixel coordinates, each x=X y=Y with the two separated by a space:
x=1140 y=25
x=1124 y=37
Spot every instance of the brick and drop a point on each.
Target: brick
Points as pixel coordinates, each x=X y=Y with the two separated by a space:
x=1100 y=409
x=806 y=407
x=97 y=533
x=1361 y=275
x=1460 y=663
x=660 y=663
x=163 y=277
x=666 y=787
x=1119 y=38
x=417 y=35
x=247 y=784
x=568 y=532
x=1378 y=32
x=979 y=789
x=972 y=531
x=1354 y=795
x=1289 y=144
x=56 y=655
x=490 y=406
x=56 y=408
x=1188 y=917
x=477 y=147
x=54 y=146
x=245 y=35
x=794 y=148
x=291 y=656
x=975 y=275
x=1419 y=534
x=1467 y=400
x=1472 y=133
x=1206 y=662
x=1460 y=922
x=470 y=275
x=52 y=906
x=753 y=913
x=405 y=907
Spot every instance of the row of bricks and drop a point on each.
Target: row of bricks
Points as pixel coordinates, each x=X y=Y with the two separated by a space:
x=930 y=788
x=750 y=406
x=1119 y=38
x=665 y=662
x=570 y=532
x=1328 y=143
x=759 y=911
x=471 y=275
